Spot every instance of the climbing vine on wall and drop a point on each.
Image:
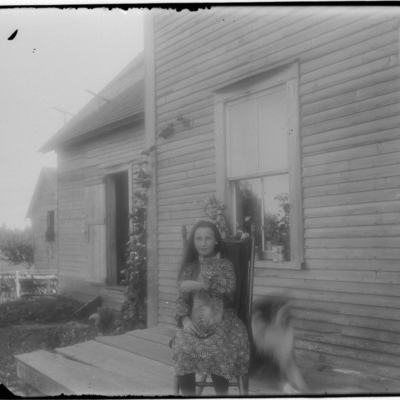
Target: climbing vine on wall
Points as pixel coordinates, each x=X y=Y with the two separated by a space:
x=134 y=308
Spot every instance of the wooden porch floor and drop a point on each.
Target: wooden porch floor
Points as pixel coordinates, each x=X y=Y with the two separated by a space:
x=140 y=363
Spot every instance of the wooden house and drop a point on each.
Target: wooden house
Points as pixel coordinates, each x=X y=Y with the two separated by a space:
x=96 y=153
x=303 y=102
x=42 y=212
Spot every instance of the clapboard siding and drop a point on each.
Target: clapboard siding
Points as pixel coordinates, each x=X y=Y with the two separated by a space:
x=347 y=299
x=79 y=165
x=44 y=200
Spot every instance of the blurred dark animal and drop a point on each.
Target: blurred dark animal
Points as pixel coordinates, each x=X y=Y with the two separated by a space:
x=273 y=344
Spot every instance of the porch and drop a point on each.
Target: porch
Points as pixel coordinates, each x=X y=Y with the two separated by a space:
x=140 y=363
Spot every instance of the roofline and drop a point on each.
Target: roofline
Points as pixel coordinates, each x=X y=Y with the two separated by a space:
x=90 y=134
x=36 y=190
x=56 y=140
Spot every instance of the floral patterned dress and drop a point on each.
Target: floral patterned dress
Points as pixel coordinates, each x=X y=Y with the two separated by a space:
x=224 y=352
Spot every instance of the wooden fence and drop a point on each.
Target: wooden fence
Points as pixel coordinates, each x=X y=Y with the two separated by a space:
x=27 y=283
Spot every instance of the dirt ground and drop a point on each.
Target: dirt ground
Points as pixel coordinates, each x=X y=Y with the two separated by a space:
x=43 y=323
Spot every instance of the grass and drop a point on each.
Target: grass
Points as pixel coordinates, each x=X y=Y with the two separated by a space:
x=41 y=323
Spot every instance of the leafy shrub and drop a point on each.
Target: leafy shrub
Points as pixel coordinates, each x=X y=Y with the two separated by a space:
x=16 y=246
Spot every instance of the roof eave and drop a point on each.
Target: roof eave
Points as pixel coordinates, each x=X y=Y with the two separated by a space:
x=55 y=144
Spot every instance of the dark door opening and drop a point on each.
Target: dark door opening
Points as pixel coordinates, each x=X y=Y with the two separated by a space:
x=118 y=232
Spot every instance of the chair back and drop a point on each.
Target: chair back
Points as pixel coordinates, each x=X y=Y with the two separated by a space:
x=242 y=256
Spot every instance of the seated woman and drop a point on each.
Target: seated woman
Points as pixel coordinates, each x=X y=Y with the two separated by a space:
x=211 y=339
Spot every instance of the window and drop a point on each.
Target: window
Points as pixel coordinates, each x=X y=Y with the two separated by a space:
x=258 y=168
x=50 y=233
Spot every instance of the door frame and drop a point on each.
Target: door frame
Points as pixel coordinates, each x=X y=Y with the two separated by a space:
x=110 y=217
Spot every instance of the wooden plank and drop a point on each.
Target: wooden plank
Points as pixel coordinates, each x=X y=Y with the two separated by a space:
x=191 y=181
x=363 y=231
x=344 y=76
x=225 y=21
x=329 y=94
x=352 y=315
x=352 y=176
x=362 y=93
x=362 y=128
x=351 y=293
x=358 y=42
x=151 y=350
x=353 y=119
x=181 y=214
x=41 y=381
x=196 y=147
x=170 y=244
x=199 y=189
x=355 y=265
x=368 y=349
x=168 y=274
x=346 y=110
x=168 y=282
x=269 y=38
x=210 y=45
x=149 y=376
x=190 y=111
x=360 y=140
x=168 y=297
x=170 y=290
x=368 y=196
x=292 y=39
x=167 y=311
x=352 y=209
x=357 y=220
x=335 y=275
x=166 y=319
x=374 y=242
x=167 y=305
x=354 y=253
x=384 y=147
x=349 y=364
x=195 y=198
x=369 y=356
x=204 y=162
x=197 y=156
x=152 y=336
x=187 y=174
x=78 y=378
x=387 y=48
x=183 y=206
x=326 y=329
x=351 y=165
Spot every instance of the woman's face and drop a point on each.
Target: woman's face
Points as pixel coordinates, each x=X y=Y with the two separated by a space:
x=204 y=241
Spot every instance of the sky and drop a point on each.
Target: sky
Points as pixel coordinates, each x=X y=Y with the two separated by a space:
x=55 y=57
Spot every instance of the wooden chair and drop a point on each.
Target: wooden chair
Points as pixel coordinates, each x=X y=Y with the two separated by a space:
x=241 y=254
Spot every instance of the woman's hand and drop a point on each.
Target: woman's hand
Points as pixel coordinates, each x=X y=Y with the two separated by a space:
x=190 y=286
x=189 y=326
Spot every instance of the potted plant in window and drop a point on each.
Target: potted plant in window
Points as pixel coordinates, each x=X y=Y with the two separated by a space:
x=281 y=233
x=278 y=247
x=269 y=228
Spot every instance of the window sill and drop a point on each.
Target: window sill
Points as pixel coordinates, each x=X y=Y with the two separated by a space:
x=277 y=265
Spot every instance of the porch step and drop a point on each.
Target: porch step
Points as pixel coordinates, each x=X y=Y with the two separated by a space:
x=53 y=374
x=140 y=363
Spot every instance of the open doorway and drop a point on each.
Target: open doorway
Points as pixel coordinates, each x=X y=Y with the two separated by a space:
x=118 y=224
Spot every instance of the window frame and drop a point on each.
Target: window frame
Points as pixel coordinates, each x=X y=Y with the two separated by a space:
x=50 y=233
x=287 y=75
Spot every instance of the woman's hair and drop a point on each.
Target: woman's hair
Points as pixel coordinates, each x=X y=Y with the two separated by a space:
x=190 y=254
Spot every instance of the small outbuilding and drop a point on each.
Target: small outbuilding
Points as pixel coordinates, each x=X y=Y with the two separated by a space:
x=42 y=212
x=96 y=153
